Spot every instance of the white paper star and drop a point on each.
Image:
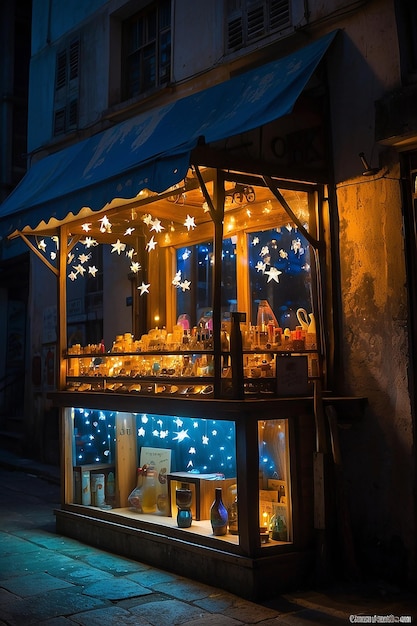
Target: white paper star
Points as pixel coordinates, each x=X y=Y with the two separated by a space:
x=141 y=432
x=185 y=285
x=135 y=267
x=205 y=440
x=89 y=242
x=255 y=240
x=156 y=225
x=177 y=279
x=70 y=258
x=144 y=288
x=118 y=247
x=273 y=274
x=42 y=245
x=178 y=421
x=92 y=270
x=189 y=222
x=53 y=256
x=264 y=251
x=181 y=435
x=155 y=433
x=260 y=267
x=163 y=434
x=192 y=451
x=129 y=231
x=105 y=224
x=72 y=276
x=147 y=219
x=283 y=254
x=83 y=258
x=130 y=253
x=80 y=269
x=151 y=245
x=86 y=227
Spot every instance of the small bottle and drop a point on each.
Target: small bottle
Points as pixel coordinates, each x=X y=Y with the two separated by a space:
x=218 y=514
x=149 y=491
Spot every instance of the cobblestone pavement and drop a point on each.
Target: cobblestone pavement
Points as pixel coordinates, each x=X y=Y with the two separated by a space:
x=52 y=580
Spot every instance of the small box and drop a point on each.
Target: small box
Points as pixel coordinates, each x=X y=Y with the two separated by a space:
x=202 y=487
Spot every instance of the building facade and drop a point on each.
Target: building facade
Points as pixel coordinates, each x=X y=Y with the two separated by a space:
x=95 y=66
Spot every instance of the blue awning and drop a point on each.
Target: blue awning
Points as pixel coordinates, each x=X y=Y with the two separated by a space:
x=153 y=150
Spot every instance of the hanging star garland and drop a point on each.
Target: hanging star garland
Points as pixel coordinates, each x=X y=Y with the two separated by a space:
x=83 y=258
x=89 y=242
x=105 y=225
x=177 y=279
x=42 y=245
x=135 y=267
x=156 y=225
x=92 y=270
x=185 y=285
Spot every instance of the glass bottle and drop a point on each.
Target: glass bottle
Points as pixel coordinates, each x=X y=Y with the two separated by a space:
x=183 y=498
x=149 y=491
x=136 y=497
x=218 y=514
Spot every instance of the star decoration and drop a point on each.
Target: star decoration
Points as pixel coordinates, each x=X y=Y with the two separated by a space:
x=53 y=256
x=130 y=253
x=192 y=451
x=177 y=279
x=255 y=241
x=80 y=269
x=86 y=227
x=283 y=254
x=89 y=242
x=178 y=421
x=147 y=219
x=163 y=434
x=135 y=267
x=105 y=225
x=155 y=433
x=72 y=276
x=42 y=245
x=186 y=254
x=260 y=267
x=289 y=227
x=264 y=251
x=129 y=231
x=92 y=270
x=156 y=225
x=185 y=285
x=118 y=247
x=141 y=432
x=297 y=247
x=205 y=440
x=273 y=274
x=189 y=222
x=144 y=288
x=70 y=258
x=190 y=464
x=83 y=258
x=181 y=435
x=151 y=245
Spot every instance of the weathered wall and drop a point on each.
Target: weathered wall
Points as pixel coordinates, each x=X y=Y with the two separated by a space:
x=378 y=450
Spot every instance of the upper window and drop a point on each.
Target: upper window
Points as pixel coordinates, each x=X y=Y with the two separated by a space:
x=67 y=88
x=406 y=11
x=147 y=49
x=250 y=20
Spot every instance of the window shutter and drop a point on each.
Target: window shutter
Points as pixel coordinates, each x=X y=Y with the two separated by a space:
x=61 y=70
x=279 y=14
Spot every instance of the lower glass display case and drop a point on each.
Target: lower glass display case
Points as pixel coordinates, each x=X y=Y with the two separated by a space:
x=217 y=490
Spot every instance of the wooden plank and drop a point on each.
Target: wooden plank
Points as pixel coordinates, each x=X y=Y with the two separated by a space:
x=126 y=455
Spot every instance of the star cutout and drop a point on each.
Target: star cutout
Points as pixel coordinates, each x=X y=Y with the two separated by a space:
x=273 y=274
x=141 y=432
x=151 y=245
x=42 y=245
x=105 y=224
x=129 y=231
x=192 y=451
x=205 y=440
x=80 y=269
x=181 y=435
x=130 y=253
x=255 y=240
x=177 y=279
x=83 y=258
x=118 y=247
x=156 y=225
x=144 y=288
x=264 y=251
x=260 y=267
x=135 y=267
x=147 y=219
x=70 y=258
x=53 y=256
x=86 y=227
x=178 y=421
x=283 y=254
x=92 y=270
x=189 y=222
x=72 y=276
x=185 y=285
x=89 y=242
